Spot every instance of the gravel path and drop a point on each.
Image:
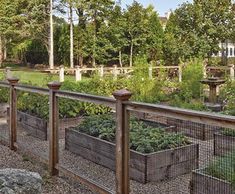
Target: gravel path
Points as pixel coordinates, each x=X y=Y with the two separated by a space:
x=51 y=185
x=99 y=174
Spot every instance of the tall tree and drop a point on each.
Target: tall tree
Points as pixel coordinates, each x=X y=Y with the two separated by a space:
x=135 y=28
x=71 y=33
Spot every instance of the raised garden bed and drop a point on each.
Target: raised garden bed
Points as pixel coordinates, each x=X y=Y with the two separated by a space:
x=33 y=125
x=144 y=167
x=223 y=143
x=192 y=129
x=203 y=183
x=38 y=127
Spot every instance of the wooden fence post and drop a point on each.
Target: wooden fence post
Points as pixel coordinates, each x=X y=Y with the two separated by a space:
x=122 y=142
x=101 y=71
x=13 y=113
x=231 y=72
x=8 y=73
x=204 y=69
x=180 y=72
x=150 y=72
x=115 y=72
x=61 y=72
x=53 y=127
x=78 y=74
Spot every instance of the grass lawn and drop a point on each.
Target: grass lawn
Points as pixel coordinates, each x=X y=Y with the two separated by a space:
x=38 y=78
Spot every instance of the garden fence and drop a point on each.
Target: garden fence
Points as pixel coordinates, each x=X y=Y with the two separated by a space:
x=174 y=166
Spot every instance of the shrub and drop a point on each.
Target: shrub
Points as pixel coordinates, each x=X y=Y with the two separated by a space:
x=143 y=137
x=227 y=97
x=192 y=74
x=37 y=104
x=223 y=168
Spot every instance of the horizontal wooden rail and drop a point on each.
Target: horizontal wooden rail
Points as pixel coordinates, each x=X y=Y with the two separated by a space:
x=219 y=68
x=87 y=98
x=4 y=84
x=209 y=118
x=33 y=89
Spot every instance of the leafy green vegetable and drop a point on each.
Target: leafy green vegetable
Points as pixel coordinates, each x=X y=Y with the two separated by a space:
x=143 y=137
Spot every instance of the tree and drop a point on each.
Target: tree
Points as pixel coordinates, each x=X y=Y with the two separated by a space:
x=12 y=24
x=201 y=26
x=135 y=28
x=154 y=35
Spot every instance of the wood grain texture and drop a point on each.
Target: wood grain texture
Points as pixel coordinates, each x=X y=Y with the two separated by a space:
x=223 y=144
x=143 y=167
x=205 y=184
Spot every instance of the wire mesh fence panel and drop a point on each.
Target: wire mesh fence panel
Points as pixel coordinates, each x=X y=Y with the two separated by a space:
x=4 y=128
x=87 y=143
x=32 y=124
x=204 y=166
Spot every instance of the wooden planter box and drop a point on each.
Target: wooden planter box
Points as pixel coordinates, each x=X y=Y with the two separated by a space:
x=34 y=126
x=143 y=167
x=38 y=127
x=3 y=109
x=223 y=144
x=202 y=183
x=195 y=130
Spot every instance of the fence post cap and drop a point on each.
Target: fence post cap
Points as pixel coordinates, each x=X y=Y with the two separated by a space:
x=231 y=65
x=122 y=95
x=55 y=85
x=13 y=80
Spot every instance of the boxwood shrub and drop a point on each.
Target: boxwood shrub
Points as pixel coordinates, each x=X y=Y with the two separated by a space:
x=143 y=137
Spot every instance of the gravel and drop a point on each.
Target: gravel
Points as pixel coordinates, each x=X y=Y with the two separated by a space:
x=99 y=174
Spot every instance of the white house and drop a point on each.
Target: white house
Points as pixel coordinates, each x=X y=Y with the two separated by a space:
x=226 y=49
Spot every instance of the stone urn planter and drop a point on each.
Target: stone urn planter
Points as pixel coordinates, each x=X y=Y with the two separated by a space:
x=144 y=168
x=223 y=144
x=202 y=183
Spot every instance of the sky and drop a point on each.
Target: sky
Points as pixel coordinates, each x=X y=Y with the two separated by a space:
x=161 y=6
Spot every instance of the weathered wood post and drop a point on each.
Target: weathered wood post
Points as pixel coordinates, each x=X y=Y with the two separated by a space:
x=61 y=72
x=180 y=72
x=78 y=74
x=53 y=127
x=204 y=69
x=8 y=73
x=115 y=72
x=122 y=142
x=231 y=72
x=101 y=71
x=13 y=113
x=150 y=71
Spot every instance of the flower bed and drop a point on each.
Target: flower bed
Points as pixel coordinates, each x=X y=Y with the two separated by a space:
x=155 y=154
x=224 y=142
